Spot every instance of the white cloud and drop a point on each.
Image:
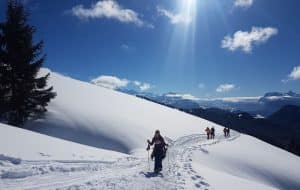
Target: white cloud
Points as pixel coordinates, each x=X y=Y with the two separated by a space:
x=243 y=3
x=225 y=88
x=110 y=82
x=109 y=9
x=295 y=74
x=113 y=82
x=234 y=99
x=145 y=86
x=183 y=96
x=137 y=83
x=142 y=86
x=245 y=40
x=179 y=18
x=125 y=47
x=239 y=99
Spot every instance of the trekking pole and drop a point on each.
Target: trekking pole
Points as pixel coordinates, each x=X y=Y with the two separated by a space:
x=148 y=148
x=148 y=161
x=168 y=161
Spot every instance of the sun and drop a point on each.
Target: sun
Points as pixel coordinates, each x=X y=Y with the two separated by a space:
x=188 y=7
x=191 y=3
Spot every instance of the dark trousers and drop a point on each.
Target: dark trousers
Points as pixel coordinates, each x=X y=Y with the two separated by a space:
x=158 y=163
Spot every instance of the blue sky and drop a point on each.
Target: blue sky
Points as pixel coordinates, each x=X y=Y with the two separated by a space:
x=207 y=48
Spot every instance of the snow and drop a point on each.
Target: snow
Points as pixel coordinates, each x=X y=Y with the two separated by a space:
x=236 y=99
x=245 y=99
x=10 y=159
x=221 y=180
x=108 y=119
x=247 y=160
x=258 y=116
x=95 y=138
x=17 y=144
x=274 y=98
x=182 y=96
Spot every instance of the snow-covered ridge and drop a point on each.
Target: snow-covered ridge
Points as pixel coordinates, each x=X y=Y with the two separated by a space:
x=108 y=119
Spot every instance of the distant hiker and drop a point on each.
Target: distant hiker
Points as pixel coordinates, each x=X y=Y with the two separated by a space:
x=212 y=133
x=159 y=151
x=207 y=130
x=228 y=132
x=225 y=132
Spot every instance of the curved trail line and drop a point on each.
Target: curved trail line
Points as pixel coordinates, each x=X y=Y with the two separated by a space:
x=182 y=150
x=131 y=172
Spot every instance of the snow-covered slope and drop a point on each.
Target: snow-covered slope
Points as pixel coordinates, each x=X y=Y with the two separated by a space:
x=249 y=162
x=16 y=143
x=240 y=162
x=104 y=118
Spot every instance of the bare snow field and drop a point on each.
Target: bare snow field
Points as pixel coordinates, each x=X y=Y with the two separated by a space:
x=95 y=138
x=104 y=118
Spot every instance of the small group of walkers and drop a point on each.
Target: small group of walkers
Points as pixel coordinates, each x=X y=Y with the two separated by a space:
x=161 y=147
x=210 y=132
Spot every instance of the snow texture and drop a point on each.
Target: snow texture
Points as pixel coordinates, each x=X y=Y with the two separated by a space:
x=116 y=126
x=103 y=118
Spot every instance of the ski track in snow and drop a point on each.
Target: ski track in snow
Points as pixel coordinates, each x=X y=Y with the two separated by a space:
x=132 y=172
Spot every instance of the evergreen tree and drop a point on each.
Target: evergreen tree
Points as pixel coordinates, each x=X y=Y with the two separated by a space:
x=4 y=73
x=23 y=91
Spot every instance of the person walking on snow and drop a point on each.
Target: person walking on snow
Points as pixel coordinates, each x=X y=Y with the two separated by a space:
x=225 y=132
x=228 y=132
x=212 y=133
x=159 y=151
x=207 y=130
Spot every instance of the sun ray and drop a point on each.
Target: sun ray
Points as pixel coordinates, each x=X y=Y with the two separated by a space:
x=182 y=40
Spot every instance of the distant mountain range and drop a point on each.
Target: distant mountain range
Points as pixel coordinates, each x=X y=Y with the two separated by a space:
x=180 y=101
x=273 y=118
x=261 y=106
x=280 y=125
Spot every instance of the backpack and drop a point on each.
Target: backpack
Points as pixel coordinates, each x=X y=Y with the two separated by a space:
x=164 y=153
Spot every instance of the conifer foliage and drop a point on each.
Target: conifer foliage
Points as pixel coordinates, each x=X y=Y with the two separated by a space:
x=23 y=93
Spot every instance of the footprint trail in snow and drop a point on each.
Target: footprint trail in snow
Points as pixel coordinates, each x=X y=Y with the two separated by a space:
x=131 y=172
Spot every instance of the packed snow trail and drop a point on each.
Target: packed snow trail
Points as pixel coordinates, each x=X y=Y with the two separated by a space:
x=131 y=172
